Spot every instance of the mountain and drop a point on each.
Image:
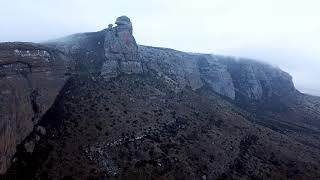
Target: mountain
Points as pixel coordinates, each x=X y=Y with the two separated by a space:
x=99 y=106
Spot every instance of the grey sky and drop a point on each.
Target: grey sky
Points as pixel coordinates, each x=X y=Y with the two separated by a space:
x=285 y=33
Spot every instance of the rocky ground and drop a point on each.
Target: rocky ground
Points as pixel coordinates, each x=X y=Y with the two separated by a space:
x=127 y=111
x=118 y=132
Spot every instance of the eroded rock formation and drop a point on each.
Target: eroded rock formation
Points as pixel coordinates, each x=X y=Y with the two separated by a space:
x=121 y=50
x=114 y=51
x=168 y=114
x=31 y=77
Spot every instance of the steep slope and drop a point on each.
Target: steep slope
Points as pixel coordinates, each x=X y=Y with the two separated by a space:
x=31 y=76
x=132 y=111
x=118 y=132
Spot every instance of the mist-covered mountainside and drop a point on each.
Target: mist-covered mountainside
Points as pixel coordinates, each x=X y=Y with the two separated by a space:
x=99 y=106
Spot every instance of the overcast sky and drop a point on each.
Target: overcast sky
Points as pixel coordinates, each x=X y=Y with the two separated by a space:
x=285 y=33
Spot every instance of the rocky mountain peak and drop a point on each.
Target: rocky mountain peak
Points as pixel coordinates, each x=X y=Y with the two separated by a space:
x=121 y=50
x=97 y=105
x=124 y=24
x=114 y=51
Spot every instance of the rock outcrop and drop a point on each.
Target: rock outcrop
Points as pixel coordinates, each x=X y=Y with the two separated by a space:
x=124 y=99
x=116 y=52
x=256 y=80
x=182 y=69
x=237 y=79
x=31 y=76
x=121 y=50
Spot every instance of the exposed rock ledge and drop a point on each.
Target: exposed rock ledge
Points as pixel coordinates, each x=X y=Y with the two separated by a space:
x=31 y=75
x=114 y=51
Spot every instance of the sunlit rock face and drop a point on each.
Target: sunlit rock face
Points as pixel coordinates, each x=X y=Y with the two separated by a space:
x=31 y=77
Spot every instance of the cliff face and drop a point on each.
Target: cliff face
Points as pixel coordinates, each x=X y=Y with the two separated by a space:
x=114 y=51
x=31 y=77
x=122 y=96
x=236 y=79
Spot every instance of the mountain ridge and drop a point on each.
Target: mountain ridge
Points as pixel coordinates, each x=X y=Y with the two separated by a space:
x=121 y=110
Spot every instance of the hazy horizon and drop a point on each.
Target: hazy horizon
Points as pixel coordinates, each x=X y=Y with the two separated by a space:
x=285 y=34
